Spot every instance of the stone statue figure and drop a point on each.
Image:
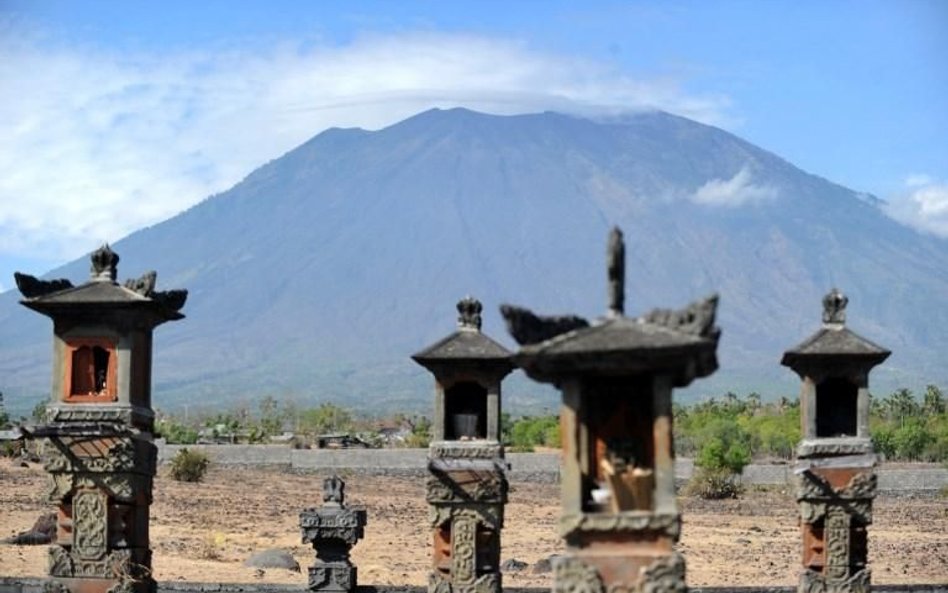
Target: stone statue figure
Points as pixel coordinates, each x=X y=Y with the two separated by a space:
x=334 y=490
x=834 y=307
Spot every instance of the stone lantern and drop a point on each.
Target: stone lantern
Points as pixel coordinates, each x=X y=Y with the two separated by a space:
x=836 y=480
x=620 y=519
x=467 y=484
x=101 y=458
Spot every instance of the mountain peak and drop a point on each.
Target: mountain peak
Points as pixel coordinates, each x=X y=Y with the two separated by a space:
x=319 y=274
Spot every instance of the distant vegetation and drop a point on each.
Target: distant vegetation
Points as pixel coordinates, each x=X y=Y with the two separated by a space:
x=189 y=466
x=724 y=433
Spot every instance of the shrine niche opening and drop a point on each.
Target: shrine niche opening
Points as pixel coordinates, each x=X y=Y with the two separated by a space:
x=465 y=411
x=91 y=371
x=836 y=407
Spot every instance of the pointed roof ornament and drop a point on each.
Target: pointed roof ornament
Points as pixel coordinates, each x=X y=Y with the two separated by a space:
x=104 y=264
x=615 y=258
x=834 y=309
x=469 y=314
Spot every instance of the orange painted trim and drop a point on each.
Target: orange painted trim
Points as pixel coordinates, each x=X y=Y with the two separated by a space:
x=110 y=393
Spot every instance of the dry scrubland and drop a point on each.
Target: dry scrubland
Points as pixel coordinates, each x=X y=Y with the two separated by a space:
x=204 y=532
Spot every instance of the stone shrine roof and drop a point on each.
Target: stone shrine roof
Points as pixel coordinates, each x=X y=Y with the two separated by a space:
x=834 y=339
x=467 y=343
x=682 y=343
x=59 y=297
x=463 y=345
x=626 y=345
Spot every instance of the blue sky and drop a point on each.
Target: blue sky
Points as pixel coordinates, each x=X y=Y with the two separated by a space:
x=116 y=115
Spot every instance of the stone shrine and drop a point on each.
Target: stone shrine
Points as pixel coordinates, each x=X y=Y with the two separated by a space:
x=836 y=481
x=99 y=423
x=333 y=529
x=467 y=484
x=620 y=518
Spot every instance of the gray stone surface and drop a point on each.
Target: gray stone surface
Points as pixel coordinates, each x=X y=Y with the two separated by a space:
x=273 y=558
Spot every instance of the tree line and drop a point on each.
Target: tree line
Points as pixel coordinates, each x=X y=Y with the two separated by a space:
x=725 y=432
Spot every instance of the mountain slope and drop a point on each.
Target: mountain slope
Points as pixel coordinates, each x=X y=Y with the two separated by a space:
x=321 y=272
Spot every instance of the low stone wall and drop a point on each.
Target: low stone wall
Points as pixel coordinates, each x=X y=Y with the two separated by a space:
x=531 y=467
x=34 y=585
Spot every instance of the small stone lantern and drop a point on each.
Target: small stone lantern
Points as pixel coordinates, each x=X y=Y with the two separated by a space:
x=101 y=458
x=333 y=529
x=836 y=479
x=620 y=518
x=467 y=487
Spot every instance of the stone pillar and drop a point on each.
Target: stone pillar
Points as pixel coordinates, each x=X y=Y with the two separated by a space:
x=620 y=520
x=467 y=484
x=836 y=482
x=333 y=529
x=101 y=457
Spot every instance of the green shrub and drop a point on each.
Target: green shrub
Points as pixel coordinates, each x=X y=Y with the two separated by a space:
x=723 y=445
x=189 y=466
x=713 y=484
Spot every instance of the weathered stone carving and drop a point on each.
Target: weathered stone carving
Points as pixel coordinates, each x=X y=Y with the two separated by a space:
x=813 y=582
x=480 y=486
x=467 y=487
x=615 y=264
x=144 y=285
x=526 y=327
x=104 y=263
x=100 y=456
x=666 y=523
x=469 y=313
x=452 y=450
x=333 y=529
x=695 y=319
x=90 y=520
x=811 y=486
x=489 y=516
x=572 y=575
x=59 y=562
x=665 y=575
x=836 y=483
x=834 y=307
x=833 y=448
x=620 y=517
x=31 y=286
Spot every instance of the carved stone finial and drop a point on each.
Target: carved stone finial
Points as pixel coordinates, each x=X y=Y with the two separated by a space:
x=104 y=264
x=469 y=314
x=615 y=259
x=834 y=308
x=334 y=490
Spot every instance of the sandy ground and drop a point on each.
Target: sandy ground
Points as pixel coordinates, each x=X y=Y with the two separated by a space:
x=204 y=532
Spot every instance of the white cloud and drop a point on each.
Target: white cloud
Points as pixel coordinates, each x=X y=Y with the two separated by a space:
x=736 y=191
x=97 y=144
x=918 y=179
x=924 y=206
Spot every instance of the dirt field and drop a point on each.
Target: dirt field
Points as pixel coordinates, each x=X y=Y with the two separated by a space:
x=204 y=532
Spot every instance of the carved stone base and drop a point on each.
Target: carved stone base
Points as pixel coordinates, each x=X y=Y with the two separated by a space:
x=487 y=583
x=332 y=576
x=619 y=573
x=812 y=582
x=134 y=564
x=81 y=585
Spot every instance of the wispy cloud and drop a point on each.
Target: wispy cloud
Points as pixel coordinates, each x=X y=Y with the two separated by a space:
x=97 y=144
x=736 y=191
x=923 y=206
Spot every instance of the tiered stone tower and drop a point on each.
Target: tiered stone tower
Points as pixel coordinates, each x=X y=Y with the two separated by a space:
x=620 y=519
x=467 y=487
x=101 y=458
x=836 y=477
